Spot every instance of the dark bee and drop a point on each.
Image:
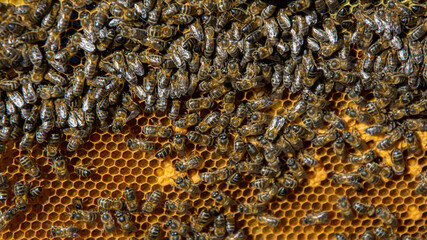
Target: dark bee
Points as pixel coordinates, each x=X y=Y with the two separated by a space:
x=354 y=140
x=174 y=111
x=153 y=200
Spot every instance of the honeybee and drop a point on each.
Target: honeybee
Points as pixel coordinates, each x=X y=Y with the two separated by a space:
x=265 y=219
x=228 y=102
x=201 y=220
x=222 y=144
x=125 y=223
x=194 y=162
x=367 y=235
x=154 y=232
x=260 y=103
x=334 y=120
x=240 y=115
x=65 y=232
x=222 y=124
x=220 y=226
x=398 y=161
x=345 y=207
x=251 y=130
x=379 y=129
x=75 y=138
x=216 y=176
x=413 y=143
x=383 y=233
x=3 y=195
x=222 y=199
x=365 y=158
x=186 y=185
x=358 y=115
x=422 y=184
x=153 y=200
x=52 y=146
x=187 y=121
x=316 y=218
x=339 y=146
x=268 y=194
x=234 y=178
x=386 y=216
x=364 y=209
x=29 y=165
x=324 y=138
x=354 y=140
x=200 y=139
x=208 y=122
x=296 y=169
x=83 y=170
x=415 y=124
x=140 y=145
x=308 y=159
x=165 y=151
x=130 y=200
x=60 y=166
x=391 y=139
x=84 y=216
x=177 y=206
x=174 y=111
x=3 y=181
x=177 y=226
x=157 y=131
x=292 y=138
x=369 y=176
x=340 y=236
x=197 y=104
x=383 y=170
x=352 y=179
x=107 y=220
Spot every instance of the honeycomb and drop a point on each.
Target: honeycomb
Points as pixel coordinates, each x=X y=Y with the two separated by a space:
x=117 y=167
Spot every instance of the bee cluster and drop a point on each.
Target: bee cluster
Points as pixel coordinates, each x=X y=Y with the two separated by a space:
x=219 y=70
